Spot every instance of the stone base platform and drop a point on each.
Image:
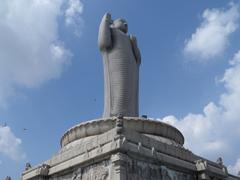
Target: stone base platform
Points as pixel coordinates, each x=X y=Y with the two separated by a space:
x=125 y=149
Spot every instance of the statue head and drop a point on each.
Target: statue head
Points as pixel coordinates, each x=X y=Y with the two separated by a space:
x=121 y=24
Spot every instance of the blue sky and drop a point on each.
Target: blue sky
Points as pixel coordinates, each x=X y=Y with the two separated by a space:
x=51 y=73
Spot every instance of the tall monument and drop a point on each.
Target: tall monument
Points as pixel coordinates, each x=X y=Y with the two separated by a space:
x=121 y=145
x=121 y=59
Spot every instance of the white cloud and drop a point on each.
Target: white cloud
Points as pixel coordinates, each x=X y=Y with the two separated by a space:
x=211 y=37
x=73 y=15
x=216 y=131
x=235 y=169
x=10 y=145
x=31 y=51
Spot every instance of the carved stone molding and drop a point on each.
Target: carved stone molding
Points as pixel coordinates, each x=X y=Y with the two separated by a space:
x=140 y=125
x=119 y=157
x=98 y=171
x=119 y=162
x=201 y=165
x=119 y=125
x=43 y=170
x=77 y=175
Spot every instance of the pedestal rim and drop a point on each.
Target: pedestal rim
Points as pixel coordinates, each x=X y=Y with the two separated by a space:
x=142 y=125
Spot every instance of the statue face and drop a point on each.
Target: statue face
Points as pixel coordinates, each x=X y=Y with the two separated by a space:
x=121 y=24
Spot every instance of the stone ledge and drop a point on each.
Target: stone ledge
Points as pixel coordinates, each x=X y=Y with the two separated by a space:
x=141 y=125
x=127 y=142
x=149 y=143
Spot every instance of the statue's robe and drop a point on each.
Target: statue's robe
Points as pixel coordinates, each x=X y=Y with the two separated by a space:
x=121 y=76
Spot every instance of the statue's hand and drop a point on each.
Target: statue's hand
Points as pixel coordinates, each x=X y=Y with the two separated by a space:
x=133 y=38
x=107 y=17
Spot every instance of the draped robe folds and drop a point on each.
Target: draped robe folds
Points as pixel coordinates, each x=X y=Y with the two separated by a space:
x=121 y=74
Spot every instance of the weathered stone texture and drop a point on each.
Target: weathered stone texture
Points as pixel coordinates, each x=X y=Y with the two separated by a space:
x=121 y=59
x=118 y=147
x=97 y=171
x=134 y=170
x=131 y=149
x=141 y=170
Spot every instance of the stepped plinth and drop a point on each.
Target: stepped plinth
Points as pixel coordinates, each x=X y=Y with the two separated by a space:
x=125 y=149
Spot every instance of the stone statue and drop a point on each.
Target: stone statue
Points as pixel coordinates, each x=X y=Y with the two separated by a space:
x=43 y=170
x=220 y=161
x=28 y=166
x=8 y=178
x=121 y=59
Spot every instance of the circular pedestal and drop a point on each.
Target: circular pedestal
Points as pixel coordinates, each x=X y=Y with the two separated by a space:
x=145 y=126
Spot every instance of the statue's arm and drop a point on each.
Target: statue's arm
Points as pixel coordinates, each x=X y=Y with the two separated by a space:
x=135 y=49
x=104 y=35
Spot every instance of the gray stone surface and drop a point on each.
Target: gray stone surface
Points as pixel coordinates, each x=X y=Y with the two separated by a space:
x=121 y=147
x=125 y=153
x=156 y=129
x=121 y=59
